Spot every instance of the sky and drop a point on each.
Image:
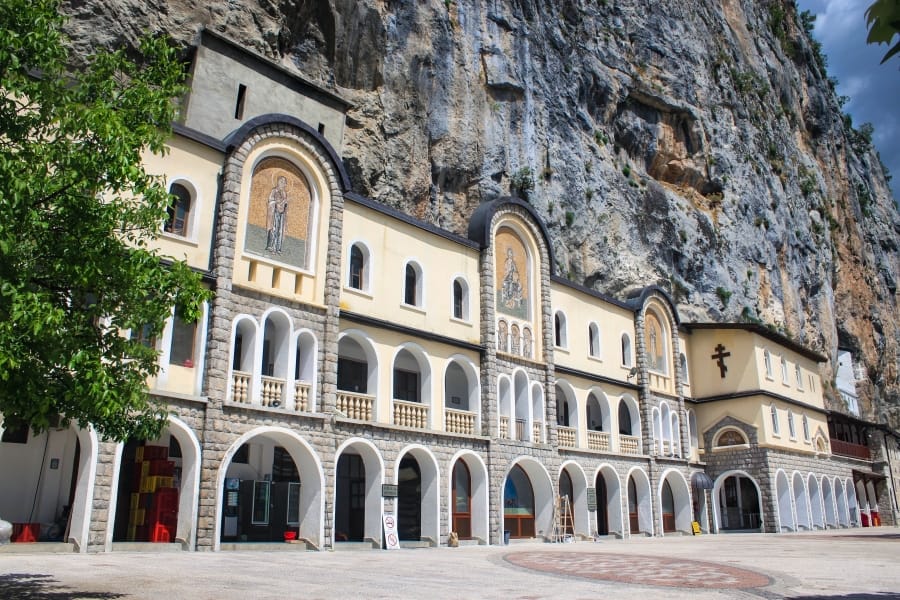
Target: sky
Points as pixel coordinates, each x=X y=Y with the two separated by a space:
x=873 y=88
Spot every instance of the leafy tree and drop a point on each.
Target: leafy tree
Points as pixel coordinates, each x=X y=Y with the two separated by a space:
x=883 y=21
x=78 y=213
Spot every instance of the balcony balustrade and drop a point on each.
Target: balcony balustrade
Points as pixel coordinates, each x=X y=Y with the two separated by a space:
x=356 y=406
x=410 y=414
x=459 y=421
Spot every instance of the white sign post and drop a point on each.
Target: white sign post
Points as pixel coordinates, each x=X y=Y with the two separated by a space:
x=392 y=542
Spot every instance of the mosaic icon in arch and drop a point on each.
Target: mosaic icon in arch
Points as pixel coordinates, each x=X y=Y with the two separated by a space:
x=512 y=275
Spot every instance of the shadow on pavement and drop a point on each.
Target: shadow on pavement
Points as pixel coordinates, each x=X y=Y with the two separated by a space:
x=35 y=586
x=857 y=596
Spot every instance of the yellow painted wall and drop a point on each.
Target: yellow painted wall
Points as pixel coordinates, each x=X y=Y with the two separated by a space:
x=197 y=167
x=391 y=244
x=581 y=389
x=581 y=310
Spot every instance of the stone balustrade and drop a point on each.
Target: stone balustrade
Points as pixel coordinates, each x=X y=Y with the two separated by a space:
x=598 y=440
x=272 y=393
x=459 y=421
x=240 y=387
x=355 y=406
x=410 y=414
x=504 y=428
x=301 y=396
x=566 y=436
x=629 y=444
x=537 y=430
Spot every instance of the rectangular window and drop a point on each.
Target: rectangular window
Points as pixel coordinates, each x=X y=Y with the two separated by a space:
x=406 y=385
x=260 y=503
x=144 y=336
x=352 y=375
x=268 y=367
x=293 y=503
x=182 y=349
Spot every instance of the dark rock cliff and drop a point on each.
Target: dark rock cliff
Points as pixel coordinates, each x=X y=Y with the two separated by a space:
x=697 y=145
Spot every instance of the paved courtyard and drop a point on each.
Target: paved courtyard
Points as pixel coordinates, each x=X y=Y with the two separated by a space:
x=845 y=564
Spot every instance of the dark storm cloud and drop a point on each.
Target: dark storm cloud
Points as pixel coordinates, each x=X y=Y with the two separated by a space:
x=873 y=88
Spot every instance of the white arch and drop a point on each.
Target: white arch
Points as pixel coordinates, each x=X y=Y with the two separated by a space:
x=817 y=511
x=605 y=417
x=537 y=413
x=480 y=491
x=693 y=435
x=657 y=440
x=193 y=188
x=681 y=494
x=542 y=487
x=424 y=363
x=522 y=404
x=79 y=531
x=416 y=265
x=872 y=501
x=783 y=497
x=854 y=508
x=840 y=496
x=431 y=486
x=828 y=497
x=572 y=400
x=717 y=487
x=368 y=265
x=308 y=360
x=579 y=496
x=801 y=501
x=644 y=500
x=473 y=383
x=634 y=415
x=505 y=403
x=374 y=465
x=312 y=497
x=368 y=347
x=247 y=361
x=281 y=352
x=862 y=501
x=614 y=498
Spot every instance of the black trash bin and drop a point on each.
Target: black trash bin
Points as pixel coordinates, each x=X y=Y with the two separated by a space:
x=506 y=538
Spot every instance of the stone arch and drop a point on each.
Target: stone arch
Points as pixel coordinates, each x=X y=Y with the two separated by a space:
x=783 y=499
x=579 y=500
x=468 y=390
x=430 y=492
x=312 y=478
x=746 y=516
x=682 y=499
x=643 y=502
x=374 y=504
x=542 y=489
x=356 y=345
x=479 y=508
x=613 y=500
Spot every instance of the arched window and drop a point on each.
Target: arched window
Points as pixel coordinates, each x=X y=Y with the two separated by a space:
x=773 y=410
x=798 y=376
x=357 y=279
x=792 y=429
x=730 y=437
x=559 y=329
x=594 y=340
x=502 y=336
x=527 y=343
x=460 y=299
x=767 y=357
x=784 y=370
x=179 y=211
x=805 y=428
x=682 y=362
x=412 y=285
x=626 y=350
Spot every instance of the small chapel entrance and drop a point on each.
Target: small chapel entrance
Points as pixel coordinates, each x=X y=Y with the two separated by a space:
x=350 y=499
x=409 y=499
x=462 y=501
x=518 y=504
x=739 y=506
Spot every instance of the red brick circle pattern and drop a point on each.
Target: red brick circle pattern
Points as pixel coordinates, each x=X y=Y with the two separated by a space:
x=644 y=570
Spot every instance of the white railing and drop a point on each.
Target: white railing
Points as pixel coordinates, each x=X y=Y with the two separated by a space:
x=629 y=444
x=459 y=421
x=537 y=430
x=659 y=382
x=272 y=391
x=504 y=428
x=240 y=387
x=566 y=436
x=410 y=414
x=598 y=440
x=355 y=406
x=301 y=395
x=666 y=448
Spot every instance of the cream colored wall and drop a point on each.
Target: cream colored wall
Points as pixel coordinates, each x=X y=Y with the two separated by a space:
x=198 y=167
x=582 y=388
x=755 y=410
x=391 y=244
x=265 y=274
x=386 y=345
x=808 y=392
x=581 y=310
x=743 y=370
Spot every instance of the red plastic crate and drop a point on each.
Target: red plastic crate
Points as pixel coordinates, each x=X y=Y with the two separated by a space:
x=26 y=532
x=162 y=533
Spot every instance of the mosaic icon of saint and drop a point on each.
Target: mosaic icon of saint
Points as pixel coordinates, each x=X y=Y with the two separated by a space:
x=511 y=290
x=276 y=215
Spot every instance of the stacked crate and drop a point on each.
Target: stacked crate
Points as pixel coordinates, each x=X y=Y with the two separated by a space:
x=153 y=515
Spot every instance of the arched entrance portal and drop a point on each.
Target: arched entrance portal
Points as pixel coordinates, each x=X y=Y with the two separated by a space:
x=357 y=495
x=469 y=510
x=675 y=503
x=668 y=508
x=270 y=483
x=409 y=499
x=462 y=501
x=738 y=504
x=567 y=490
x=53 y=474
x=783 y=499
x=640 y=507
x=609 y=502
x=518 y=504
x=602 y=506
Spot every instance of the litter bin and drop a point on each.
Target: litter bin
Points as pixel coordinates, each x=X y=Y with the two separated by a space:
x=506 y=538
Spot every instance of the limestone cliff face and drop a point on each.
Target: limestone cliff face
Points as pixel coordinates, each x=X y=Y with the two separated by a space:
x=697 y=145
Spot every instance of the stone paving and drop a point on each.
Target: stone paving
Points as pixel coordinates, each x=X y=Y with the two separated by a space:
x=839 y=565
